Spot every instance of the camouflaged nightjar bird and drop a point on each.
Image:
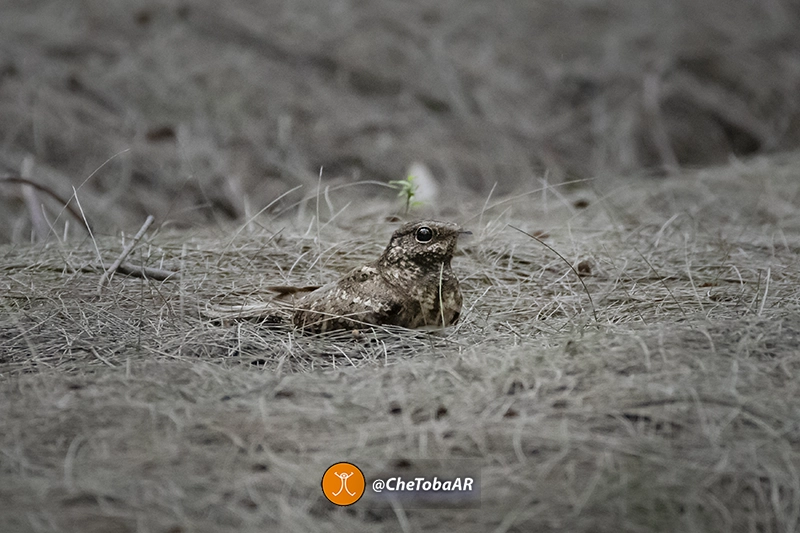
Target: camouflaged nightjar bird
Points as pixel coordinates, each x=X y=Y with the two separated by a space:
x=402 y=287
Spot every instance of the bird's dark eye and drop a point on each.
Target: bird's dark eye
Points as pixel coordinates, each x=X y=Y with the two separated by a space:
x=424 y=234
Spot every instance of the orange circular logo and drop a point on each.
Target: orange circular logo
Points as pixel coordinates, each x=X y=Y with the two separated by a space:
x=343 y=484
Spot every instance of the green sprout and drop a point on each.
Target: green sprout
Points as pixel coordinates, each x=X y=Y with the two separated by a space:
x=407 y=189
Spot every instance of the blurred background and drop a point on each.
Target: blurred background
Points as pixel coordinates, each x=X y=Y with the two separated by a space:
x=204 y=111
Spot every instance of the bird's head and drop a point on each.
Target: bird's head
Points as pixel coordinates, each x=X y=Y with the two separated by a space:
x=422 y=244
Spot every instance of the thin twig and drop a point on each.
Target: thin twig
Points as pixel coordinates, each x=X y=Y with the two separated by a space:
x=49 y=192
x=125 y=252
x=141 y=271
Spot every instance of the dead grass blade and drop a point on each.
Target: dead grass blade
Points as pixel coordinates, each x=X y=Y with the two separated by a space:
x=585 y=288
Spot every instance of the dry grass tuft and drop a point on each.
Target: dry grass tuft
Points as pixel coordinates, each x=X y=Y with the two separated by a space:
x=674 y=410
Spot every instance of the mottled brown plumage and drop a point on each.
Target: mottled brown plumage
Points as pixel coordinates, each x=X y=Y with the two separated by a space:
x=402 y=287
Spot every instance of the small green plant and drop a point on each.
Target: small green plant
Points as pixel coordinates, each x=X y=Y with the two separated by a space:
x=407 y=189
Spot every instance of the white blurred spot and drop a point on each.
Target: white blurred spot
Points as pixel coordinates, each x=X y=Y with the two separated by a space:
x=427 y=188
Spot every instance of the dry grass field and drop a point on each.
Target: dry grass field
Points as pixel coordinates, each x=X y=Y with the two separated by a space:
x=201 y=111
x=627 y=357
x=668 y=401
